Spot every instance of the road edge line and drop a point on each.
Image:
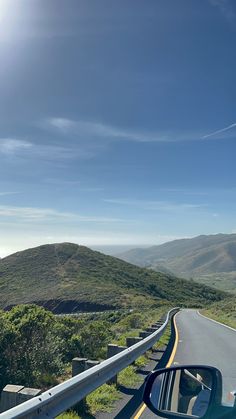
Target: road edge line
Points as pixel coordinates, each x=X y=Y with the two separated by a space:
x=143 y=406
x=173 y=353
x=215 y=321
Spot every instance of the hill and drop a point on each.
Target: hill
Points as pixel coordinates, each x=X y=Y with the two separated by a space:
x=66 y=277
x=208 y=259
x=223 y=311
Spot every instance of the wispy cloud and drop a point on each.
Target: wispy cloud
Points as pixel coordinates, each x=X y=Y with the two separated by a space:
x=57 y=152
x=10 y=146
x=94 y=135
x=184 y=191
x=49 y=214
x=16 y=147
x=89 y=132
x=29 y=213
x=80 y=186
x=92 y=131
x=8 y=193
x=62 y=182
x=62 y=124
x=219 y=131
x=226 y=7
x=156 y=205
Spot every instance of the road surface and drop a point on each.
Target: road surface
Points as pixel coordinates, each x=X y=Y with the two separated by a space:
x=202 y=341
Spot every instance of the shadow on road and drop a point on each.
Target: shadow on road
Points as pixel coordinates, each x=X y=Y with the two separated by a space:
x=160 y=357
x=132 y=405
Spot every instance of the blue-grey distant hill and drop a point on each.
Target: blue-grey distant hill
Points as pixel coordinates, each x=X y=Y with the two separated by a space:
x=209 y=259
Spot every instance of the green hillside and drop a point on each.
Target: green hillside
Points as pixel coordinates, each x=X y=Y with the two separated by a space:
x=223 y=311
x=67 y=277
x=208 y=259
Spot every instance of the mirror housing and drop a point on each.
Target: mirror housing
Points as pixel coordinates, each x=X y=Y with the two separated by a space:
x=186 y=391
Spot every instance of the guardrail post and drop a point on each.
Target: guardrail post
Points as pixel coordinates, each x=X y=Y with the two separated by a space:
x=144 y=334
x=112 y=350
x=27 y=393
x=132 y=340
x=151 y=329
x=121 y=348
x=9 y=396
x=78 y=365
x=158 y=325
x=90 y=364
x=12 y=395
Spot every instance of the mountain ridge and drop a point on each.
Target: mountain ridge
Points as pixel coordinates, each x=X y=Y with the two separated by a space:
x=209 y=259
x=56 y=274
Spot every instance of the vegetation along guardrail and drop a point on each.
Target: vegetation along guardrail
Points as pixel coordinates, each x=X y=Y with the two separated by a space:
x=65 y=395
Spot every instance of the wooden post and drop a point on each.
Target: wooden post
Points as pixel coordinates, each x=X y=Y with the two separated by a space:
x=78 y=365
x=144 y=334
x=90 y=364
x=151 y=329
x=12 y=395
x=27 y=393
x=130 y=341
x=111 y=351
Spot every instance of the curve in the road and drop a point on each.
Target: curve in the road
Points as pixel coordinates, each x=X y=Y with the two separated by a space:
x=200 y=340
x=169 y=363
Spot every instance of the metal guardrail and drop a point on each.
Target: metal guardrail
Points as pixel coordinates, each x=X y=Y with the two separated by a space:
x=65 y=395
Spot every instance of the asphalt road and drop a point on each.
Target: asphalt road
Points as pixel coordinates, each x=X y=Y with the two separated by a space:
x=202 y=341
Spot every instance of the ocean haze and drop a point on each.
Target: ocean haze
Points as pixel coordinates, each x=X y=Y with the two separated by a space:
x=115 y=250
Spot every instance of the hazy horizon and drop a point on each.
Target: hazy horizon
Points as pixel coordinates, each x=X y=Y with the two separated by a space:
x=107 y=249
x=111 y=249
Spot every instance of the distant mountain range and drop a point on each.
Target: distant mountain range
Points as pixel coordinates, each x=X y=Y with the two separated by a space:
x=66 y=277
x=207 y=259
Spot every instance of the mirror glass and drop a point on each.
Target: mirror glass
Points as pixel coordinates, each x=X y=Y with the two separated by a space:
x=186 y=391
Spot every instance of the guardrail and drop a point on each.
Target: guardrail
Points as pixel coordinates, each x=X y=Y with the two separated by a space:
x=65 y=395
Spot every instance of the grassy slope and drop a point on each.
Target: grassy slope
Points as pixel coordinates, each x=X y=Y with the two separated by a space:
x=223 y=311
x=210 y=260
x=70 y=272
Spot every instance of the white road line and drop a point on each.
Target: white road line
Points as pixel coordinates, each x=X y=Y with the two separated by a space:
x=221 y=324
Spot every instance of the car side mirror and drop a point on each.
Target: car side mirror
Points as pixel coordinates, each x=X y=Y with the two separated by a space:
x=188 y=391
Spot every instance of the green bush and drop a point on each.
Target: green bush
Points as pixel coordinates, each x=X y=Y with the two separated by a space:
x=94 y=337
x=30 y=349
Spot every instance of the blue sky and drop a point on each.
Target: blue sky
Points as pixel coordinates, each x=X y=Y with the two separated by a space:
x=117 y=121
